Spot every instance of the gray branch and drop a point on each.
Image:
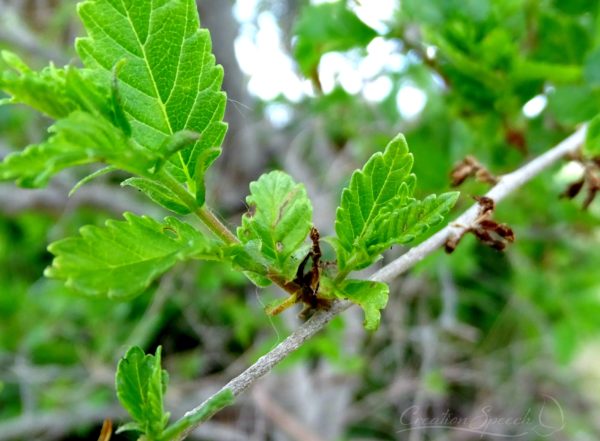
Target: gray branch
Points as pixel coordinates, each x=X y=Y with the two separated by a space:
x=506 y=185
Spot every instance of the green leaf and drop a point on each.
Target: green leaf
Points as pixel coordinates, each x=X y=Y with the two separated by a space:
x=385 y=177
x=84 y=138
x=159 y=193
x=400 y=224
x=248 y=258
x=169 y=81
x=377 y=209
x=141 y=384
x=326 y=28
x=122 y=259
x=370 y=296
x=591 y=146
x=278 y=222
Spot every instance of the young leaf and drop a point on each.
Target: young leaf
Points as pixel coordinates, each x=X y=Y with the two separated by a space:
x=80 y=138
x=370 y=296
x=279 y=220
x=377 y=209
x=401 y=224
x=124 y=257
x=385 y=177
x=141 y=384
x=247 y=257
x=169 y=81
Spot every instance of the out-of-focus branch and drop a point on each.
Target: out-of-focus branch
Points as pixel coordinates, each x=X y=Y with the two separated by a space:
x=506 y=185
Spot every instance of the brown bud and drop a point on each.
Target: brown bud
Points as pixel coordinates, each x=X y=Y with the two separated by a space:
x=573 y=189
x=487 y=204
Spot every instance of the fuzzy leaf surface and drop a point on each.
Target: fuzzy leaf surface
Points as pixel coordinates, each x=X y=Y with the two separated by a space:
x=141 y=384
x=278 y=222
x=122 y=258
x=168 y=81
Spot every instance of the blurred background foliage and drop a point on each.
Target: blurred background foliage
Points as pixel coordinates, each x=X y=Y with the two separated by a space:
x=315 y=88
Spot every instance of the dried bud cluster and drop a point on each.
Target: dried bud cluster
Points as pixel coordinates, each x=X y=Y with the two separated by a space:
x=485 y=229
x=470 y=167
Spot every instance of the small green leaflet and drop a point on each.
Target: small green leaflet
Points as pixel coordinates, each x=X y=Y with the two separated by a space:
x=401 y=224
x=141 y=384
x=278 y=222
x=377 y=209
x=122 y=258
x=384 y=177
x=168 y=81
x=371 y=296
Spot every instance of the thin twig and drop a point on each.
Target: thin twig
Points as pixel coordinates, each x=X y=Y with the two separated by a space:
x=506 y=185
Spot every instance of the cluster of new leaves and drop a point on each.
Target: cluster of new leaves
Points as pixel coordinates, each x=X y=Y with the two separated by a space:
x=377 y=208
x=148 y=102
x=377 y=211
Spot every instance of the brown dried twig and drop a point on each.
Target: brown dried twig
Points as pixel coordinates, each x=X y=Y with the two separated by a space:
x=485 y=229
